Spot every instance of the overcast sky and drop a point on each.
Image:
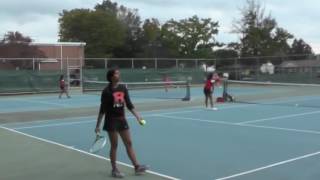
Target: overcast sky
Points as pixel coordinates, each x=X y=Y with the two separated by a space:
x=39 y=18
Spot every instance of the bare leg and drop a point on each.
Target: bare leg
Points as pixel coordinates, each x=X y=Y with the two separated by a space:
x=67 y=93
x=60 y=94
x=64 y=91
x=126 y=138
x=211 y=101
x=206 y=99
x=113 y=137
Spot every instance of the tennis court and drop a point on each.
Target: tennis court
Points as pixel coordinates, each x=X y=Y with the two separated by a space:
x=181 y=140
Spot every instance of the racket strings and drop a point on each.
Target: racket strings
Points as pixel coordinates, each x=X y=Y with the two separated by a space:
x=98 y=144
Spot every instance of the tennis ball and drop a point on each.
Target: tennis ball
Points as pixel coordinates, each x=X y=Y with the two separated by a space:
x=142 y=122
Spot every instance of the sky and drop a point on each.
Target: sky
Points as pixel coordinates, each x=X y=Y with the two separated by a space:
x=38 y=19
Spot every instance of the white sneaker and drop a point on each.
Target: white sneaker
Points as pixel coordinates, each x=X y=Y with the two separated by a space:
x=141 y=169
x=117 y=174
x=214 y=108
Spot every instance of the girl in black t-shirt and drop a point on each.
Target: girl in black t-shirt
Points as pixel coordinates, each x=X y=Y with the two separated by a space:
x=113 y=100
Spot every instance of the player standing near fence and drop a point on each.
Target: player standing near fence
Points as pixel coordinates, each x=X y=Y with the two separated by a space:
x=63 y=87
x=208 y=91
x=113 y=99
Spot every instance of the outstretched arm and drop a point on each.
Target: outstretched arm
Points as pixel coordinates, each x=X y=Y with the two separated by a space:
x=130 y=106
x=135 y=113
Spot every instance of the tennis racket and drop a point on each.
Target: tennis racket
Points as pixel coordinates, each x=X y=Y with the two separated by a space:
x=98 y=144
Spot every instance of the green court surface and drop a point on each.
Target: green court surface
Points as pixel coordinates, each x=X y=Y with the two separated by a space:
x=26 y=157
x=181 y=140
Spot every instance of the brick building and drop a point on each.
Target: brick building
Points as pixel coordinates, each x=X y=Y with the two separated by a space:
x=57 y=56
x=71 y=54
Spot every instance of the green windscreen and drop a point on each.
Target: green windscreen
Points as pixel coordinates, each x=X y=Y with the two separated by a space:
x=21 y=81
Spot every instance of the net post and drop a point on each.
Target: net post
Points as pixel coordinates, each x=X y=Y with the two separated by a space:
x=225 y=90
x=188 y=94
x=177 y=64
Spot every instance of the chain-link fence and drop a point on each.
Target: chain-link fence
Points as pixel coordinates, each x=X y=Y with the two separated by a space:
x=37 y=75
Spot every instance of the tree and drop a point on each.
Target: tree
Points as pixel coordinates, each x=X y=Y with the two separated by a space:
x=170 y=40
x=300 y=49
x=225 y=57
x=190 y=36
x=99 y=29
x=260 y=34
x=151 y=41
x=225 y=53
x=280 y=40
x=151 y=30
x=16 y=45
x=130 y=22
x=235 y=46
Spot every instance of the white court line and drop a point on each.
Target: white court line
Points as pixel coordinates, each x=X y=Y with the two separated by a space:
x=83 y=122
x=270 y=166
x=70 y=118
x=283 y=129
x=47 y=121
x=81 y=151
x=279 y=117
x=42 y=102
x=89 y=121
x=242 y=125
x=54 y=125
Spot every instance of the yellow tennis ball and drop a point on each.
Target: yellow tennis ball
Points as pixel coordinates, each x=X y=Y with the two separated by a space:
x=142 y=122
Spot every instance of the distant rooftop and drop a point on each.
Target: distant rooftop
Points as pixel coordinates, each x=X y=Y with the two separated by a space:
x=59 y=44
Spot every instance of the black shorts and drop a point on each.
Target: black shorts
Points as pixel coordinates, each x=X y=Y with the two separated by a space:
x=115 y=124
x=207 y=92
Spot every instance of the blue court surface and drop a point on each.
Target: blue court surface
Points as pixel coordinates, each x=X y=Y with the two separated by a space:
x=239 y=141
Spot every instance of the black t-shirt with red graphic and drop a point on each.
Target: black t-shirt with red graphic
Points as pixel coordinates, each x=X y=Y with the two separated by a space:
x=113 y=101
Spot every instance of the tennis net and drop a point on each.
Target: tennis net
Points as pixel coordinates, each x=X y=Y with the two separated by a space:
x=153 y=90
x=267 y=93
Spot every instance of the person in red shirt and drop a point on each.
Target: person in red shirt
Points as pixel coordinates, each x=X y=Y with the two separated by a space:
x=63 y=87
x=208 y=91
x=114 y=98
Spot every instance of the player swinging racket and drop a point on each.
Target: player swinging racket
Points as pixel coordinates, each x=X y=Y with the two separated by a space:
x=113 y=99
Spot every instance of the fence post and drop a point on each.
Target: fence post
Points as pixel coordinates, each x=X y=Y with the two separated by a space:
x=81 y=73
x=105 y=63
x=33 y=65
x=68 y=73
x=196 y=63
x=155 y=63
x=236 y=69
x=257 y=68
x=132 y=63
